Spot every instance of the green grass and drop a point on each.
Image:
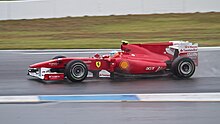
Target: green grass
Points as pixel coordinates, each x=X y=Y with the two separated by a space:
x=108 y=31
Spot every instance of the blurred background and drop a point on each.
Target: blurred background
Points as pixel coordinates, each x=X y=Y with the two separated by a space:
x=46 y=24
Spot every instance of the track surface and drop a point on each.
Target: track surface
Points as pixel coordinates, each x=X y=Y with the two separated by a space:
x=111 y=113
x=13 y=81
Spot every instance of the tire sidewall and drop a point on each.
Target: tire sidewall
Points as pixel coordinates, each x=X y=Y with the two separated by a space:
x=176 y=67
x=69 y=68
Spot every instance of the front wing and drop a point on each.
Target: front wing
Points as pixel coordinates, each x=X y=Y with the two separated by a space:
x=46 y=74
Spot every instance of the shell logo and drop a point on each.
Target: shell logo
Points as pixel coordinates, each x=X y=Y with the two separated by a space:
x=124 y=64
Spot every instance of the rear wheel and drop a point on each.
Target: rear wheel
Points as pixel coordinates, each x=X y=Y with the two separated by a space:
x=183 y=67
x=76 y=71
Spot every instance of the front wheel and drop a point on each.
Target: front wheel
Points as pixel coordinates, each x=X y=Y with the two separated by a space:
x=76 y=71
x=183 y=67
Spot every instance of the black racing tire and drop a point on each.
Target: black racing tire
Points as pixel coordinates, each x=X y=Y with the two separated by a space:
x=76 y=71
x=57 y=57
x=183 y=67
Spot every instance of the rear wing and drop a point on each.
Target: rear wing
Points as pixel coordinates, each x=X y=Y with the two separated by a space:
x=184 y=48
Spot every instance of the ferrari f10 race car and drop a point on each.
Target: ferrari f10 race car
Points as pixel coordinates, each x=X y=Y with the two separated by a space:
x=178 y=58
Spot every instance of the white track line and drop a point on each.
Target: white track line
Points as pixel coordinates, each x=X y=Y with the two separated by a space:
x=180 y=97
x=154 y=97
x=19 y=99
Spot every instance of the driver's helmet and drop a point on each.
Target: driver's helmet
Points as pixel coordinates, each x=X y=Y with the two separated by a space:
x=112 y=53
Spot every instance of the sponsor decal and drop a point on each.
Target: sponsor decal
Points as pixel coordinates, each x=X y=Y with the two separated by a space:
x=192 y=54
x=158 y=69
x=150 y=68
x=189 y=50
x=98 y=64
x=104 y=75
x=54 y=76
x=191 y=46
x=53 y=64
x=124 y=64
x=87 y=62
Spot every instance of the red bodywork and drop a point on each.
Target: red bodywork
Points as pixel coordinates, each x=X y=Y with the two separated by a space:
x=134 y=59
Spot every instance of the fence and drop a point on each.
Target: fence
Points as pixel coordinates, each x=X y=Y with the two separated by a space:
x=62 y=8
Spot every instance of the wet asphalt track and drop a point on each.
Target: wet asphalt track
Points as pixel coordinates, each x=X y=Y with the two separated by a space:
x=13 y=81
x=111 y=113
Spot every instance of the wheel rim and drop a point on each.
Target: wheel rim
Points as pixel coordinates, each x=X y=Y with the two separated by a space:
x=77 y=71
x=186 y=68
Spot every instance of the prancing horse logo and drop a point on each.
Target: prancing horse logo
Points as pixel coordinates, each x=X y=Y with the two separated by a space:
x=98 y=64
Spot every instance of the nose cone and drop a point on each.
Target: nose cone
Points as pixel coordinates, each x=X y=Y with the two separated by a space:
x=38 y=65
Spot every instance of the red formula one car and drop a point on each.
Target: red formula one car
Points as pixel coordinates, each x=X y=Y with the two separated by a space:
x=176 y=57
